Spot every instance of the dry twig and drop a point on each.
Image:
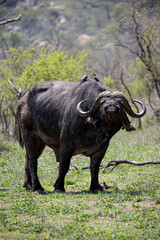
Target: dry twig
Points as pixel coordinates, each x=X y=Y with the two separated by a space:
x=11 y=20
x=115 y=163
x=2 y=1
x=130 y=95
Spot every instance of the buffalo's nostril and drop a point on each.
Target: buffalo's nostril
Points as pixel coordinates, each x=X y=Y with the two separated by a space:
x=111 y=108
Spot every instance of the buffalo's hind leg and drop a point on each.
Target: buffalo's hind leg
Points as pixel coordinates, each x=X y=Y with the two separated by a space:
x=27 y=180
x=34 y=147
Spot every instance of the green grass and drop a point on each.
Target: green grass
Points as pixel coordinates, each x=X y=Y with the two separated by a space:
x=128 y=210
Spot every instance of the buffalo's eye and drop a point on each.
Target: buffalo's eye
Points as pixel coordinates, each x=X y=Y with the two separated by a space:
x=117 y=98
x=103 y=101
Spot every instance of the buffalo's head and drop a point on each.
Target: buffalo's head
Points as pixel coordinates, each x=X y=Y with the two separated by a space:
x=110 y=106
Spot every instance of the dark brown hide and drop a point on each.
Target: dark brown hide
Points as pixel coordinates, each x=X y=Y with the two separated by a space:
x=51 y=115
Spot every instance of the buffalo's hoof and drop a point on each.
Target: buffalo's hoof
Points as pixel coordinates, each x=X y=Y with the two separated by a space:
x=41 y=191
x=96 y=189
x=27 y=186
x=59 y=187
x=38 y=188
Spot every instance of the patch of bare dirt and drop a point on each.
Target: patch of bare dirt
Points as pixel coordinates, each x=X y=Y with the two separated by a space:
x=146 y=203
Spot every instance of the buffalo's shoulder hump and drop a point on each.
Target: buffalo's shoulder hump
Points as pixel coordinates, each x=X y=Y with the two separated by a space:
x=42 y=87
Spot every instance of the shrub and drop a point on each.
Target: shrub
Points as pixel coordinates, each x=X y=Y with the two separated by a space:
x=29 y=67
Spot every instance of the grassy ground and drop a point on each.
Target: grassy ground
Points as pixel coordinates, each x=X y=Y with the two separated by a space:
x=128 y=210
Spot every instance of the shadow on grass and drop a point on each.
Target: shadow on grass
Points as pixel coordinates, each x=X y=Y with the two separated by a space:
x=3 y=189
x=78 y=192
x=115 y=191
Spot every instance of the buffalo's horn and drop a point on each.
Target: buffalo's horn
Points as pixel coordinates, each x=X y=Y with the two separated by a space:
x=128 y=108
x=94 y=107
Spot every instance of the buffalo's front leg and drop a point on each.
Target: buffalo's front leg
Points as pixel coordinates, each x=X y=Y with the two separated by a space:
x=94 y=168
x=64 y=162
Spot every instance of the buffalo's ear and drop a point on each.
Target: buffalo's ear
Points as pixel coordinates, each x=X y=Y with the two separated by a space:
x=126 y=124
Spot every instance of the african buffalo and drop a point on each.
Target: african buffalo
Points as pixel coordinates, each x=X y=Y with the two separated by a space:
x=71 y=118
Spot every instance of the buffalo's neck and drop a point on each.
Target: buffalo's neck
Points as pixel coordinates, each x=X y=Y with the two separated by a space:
x=99 y=137
x=109 y=128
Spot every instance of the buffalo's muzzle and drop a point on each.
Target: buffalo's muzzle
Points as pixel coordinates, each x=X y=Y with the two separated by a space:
x=111 y=108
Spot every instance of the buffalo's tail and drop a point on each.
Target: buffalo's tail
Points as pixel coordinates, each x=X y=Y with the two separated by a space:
x=20 y=140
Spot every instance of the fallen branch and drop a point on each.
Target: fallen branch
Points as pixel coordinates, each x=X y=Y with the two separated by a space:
x=115 y=163
x=105 y=186
x=11 y=20
x=88 y=167
x=85 y=167
x=2 y=1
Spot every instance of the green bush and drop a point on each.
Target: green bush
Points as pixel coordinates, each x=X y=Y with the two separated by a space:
x=54 y=66
x=32 y=66
x=29 y=67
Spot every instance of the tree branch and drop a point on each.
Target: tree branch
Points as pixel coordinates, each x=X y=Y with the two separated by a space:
x=129 y=93
x=149 y=94
x=11 y=20
x=115 y=163
x=18 y=92
x=125 y=46
x=2 y=1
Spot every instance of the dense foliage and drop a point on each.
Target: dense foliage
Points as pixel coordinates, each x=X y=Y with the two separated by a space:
x=33 y=66
x=25 y=68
